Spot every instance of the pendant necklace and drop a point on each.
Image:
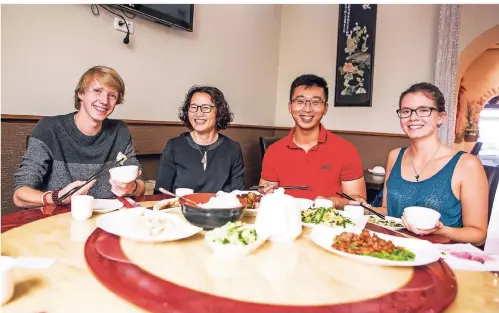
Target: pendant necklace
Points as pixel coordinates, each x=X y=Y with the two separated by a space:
x=204 y=156
x=414 y=169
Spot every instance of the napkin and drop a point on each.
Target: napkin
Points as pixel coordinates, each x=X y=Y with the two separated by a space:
x=279 y=216
x=33 y=263
x=468 y=257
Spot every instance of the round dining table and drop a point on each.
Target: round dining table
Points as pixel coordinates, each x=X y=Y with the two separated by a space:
x=94 y=271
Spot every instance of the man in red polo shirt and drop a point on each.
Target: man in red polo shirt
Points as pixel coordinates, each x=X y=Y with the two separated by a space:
x=310 y=155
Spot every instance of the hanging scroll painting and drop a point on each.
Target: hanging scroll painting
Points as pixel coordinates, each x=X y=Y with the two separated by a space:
x=355 y=55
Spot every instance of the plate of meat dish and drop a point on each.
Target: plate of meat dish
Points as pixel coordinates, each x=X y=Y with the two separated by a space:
x=167 y=205
x=252 y=199
x=375 y=248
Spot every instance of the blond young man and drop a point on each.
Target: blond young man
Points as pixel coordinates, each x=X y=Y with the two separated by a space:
x=64 y=150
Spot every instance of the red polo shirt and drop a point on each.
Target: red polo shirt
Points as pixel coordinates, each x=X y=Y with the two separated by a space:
x=322 y=168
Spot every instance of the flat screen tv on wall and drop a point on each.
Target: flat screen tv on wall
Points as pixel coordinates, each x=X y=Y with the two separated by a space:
x=174 y=15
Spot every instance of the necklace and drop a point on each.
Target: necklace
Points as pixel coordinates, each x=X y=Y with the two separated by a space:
x=204 y=156
x=414 y=169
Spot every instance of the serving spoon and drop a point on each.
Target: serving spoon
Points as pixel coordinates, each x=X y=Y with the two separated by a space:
x=166 y=192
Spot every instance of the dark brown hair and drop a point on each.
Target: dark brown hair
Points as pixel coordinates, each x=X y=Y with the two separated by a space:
x=430 y=91
x=223 y=114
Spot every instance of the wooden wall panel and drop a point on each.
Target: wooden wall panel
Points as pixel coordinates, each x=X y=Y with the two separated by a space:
x=150 y=138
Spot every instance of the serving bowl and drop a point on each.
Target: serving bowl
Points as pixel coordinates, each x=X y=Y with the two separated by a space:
x=231 y=250
x=124 y=174
x=209 y=218
x=421 y=217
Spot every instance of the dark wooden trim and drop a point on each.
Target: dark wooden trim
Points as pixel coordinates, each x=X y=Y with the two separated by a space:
x=19 y=118
x=353 y=132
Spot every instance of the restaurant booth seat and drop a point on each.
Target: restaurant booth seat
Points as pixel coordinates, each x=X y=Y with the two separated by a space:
x=265 y=142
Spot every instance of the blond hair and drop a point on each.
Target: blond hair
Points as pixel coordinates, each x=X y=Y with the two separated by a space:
x=105 y=76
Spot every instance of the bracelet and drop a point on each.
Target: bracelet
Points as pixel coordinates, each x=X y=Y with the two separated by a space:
x=55 y=198
x=44 y=202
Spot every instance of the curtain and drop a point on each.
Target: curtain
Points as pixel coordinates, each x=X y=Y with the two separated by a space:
x=446 y=65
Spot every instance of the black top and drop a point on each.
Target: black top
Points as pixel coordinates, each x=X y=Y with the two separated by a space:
x=180 y=165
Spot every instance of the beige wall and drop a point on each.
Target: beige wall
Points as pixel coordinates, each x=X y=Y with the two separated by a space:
x=47 y=47
x=475 y=20
x=405 y=53
x=252 y=52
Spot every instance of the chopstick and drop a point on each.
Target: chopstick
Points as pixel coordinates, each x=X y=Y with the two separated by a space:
x=283 y=187
x=102 y=171
x=344 y=195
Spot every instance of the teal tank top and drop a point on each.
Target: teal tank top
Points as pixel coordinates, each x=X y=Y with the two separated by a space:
x=434 y=192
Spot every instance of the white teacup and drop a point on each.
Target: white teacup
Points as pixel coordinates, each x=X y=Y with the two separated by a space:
x=82 y=207
x=354 y=211
x=323 y=203
x=180 y=192
x=7 y=281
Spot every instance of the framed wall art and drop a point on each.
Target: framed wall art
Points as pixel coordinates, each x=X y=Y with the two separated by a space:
x=355 y=55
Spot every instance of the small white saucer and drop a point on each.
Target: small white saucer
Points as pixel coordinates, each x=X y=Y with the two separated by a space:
x=106 y=205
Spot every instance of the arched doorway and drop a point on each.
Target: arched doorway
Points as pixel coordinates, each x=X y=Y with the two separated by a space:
x=477 y=82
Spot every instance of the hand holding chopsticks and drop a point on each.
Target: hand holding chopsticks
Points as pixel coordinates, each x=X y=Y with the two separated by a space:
x=91 y=178
x=344 y=195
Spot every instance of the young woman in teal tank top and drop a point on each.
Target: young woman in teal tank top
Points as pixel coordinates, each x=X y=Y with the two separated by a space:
x=428 y=173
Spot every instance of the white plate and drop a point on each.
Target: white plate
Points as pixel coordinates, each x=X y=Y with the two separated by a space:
x=122 y=223
x=424 y=251
x=375 y=173
x=163 y=202
x=396 y=219
x=229 y=251
x=360 y=223
x=106 y=205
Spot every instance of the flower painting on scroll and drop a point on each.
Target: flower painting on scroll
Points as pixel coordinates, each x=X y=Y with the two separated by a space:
x=355 y=54
x=358 y=59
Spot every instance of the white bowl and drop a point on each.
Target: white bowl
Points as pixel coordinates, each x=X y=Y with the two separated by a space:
x=353 y=211
x=6 y=279
x=378 y=170
x=421 y=217
x=229 y=251
x=304 y=204
x=323 y=203
x=124 y=174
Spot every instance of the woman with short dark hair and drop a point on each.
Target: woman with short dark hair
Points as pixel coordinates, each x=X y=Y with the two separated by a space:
x=202 y=159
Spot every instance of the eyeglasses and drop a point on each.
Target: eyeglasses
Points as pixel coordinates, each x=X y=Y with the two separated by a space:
x=421 y=112
x=300 y=103
x=205 y=108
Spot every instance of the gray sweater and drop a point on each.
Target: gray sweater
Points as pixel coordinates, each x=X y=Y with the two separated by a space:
x=58 y=153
